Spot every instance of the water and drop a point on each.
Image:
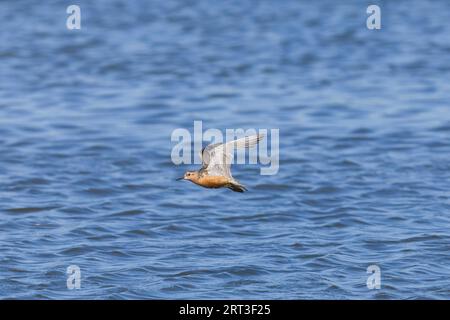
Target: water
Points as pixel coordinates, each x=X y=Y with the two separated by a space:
x=86 y=177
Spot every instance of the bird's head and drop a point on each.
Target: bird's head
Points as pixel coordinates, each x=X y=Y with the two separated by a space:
x=189 y=175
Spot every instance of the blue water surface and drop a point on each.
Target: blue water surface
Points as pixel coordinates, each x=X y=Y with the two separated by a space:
x=86 y=176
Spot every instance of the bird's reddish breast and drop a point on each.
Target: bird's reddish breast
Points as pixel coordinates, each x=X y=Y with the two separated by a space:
x=213 y=181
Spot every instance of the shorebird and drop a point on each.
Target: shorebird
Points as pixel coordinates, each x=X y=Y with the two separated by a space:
x=216 y=161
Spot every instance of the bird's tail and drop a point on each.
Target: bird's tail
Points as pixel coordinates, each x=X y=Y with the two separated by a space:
x=236 y=187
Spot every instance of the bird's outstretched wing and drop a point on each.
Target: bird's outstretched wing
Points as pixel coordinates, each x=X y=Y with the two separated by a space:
x=216 y=158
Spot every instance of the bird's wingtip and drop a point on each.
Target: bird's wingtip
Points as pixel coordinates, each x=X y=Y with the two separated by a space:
x=237 y=188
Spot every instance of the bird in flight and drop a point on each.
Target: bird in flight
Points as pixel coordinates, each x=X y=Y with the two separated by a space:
x=216 y=161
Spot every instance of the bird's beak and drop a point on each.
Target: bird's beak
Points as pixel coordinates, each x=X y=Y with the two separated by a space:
x=181 y=178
